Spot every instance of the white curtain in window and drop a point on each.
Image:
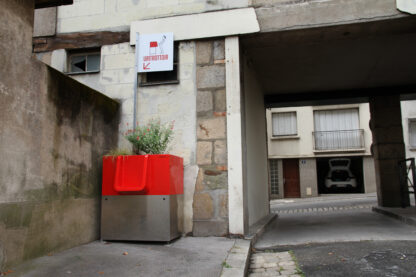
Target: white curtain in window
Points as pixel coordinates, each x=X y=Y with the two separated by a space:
x=337 y=129
x=284 y=124
x=412 y=133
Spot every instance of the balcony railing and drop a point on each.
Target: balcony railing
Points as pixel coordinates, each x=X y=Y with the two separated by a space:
x=338 y=140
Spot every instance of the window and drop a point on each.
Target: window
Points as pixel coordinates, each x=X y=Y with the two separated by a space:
x=412 y=133
x=274 y=177
x=84 y=62
x=284 y=124
x=163 y=77
x=338 y=130
x=335 y=120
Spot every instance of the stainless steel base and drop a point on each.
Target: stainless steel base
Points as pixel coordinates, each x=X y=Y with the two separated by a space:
x=139 y=217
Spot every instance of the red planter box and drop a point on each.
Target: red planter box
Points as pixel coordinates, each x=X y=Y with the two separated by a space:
x=142 y=175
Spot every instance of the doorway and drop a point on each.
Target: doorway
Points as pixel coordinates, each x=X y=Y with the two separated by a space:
x=291 y=180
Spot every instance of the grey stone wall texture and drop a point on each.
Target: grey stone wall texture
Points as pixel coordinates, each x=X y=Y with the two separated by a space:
x=210 y=206
x=53 y=133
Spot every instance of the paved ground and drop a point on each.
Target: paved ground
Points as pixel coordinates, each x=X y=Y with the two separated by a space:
x=185 y=257
x=273 y=264
x=356 y=259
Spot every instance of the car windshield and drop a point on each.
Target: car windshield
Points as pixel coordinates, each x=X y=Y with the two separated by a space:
x=339 y=163
x=339 y=175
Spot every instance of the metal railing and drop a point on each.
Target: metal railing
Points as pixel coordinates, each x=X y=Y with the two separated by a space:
x=339 y=140
x=407 y=180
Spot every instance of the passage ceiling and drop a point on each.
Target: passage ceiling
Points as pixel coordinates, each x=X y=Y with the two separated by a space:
x=344 y=57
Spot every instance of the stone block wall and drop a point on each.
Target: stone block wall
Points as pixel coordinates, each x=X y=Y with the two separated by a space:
x=210 y=206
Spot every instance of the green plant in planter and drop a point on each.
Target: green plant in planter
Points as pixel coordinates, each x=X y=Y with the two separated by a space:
x=152 y=138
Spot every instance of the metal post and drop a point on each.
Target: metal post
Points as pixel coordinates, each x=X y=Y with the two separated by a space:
x=412 y=164
x=403 y=180
x=136 y=69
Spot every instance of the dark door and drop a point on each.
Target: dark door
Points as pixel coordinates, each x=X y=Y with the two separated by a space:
x=291 y=178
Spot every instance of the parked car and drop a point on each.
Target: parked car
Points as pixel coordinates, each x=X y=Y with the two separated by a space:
x=339 y=174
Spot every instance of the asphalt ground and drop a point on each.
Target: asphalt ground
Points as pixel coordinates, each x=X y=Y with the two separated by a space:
x=341 y=236
x=333 y=226
x=355 y=259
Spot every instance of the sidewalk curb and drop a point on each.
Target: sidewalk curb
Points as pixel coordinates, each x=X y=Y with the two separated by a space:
x=258 y=229
x=404 y=219
x=238 y=259
x=236 y=263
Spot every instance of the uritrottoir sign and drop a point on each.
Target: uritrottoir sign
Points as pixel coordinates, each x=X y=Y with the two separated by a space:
x=155 y=52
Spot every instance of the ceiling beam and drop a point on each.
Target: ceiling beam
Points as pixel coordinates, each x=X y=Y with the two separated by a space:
x=39 y=4
x=407 y=92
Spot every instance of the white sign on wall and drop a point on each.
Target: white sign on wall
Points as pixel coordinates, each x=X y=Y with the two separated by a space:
x=155 y=52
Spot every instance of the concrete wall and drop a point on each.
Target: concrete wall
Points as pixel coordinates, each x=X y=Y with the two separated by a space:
x=408 y=112
x=301 y=146
x=53 y=134
x=308 y=178
x=276 y=15
x=115 y=79
x=45 y=22
x=96 y=15
x=255 y=148
x=369 y=175
x=273 y=15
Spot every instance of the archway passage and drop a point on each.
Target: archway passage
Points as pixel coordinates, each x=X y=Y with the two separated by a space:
x=345 y=64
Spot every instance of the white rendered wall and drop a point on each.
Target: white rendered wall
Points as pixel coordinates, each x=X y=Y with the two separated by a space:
x=116 y=15
x=256 y=148
x=308 y=178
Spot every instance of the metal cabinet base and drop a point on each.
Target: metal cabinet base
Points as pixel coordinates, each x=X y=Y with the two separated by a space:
x=139 y=217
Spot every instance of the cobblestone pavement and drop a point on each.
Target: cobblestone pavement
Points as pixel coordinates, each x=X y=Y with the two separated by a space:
x=273 y=264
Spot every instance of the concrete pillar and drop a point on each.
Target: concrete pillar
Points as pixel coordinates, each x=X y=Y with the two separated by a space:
x=388 y=148
x=237 y=208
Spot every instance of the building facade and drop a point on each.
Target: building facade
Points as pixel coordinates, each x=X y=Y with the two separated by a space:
x=303 y=140
x=226 y=57
x=193 y=95
x=234 y=59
